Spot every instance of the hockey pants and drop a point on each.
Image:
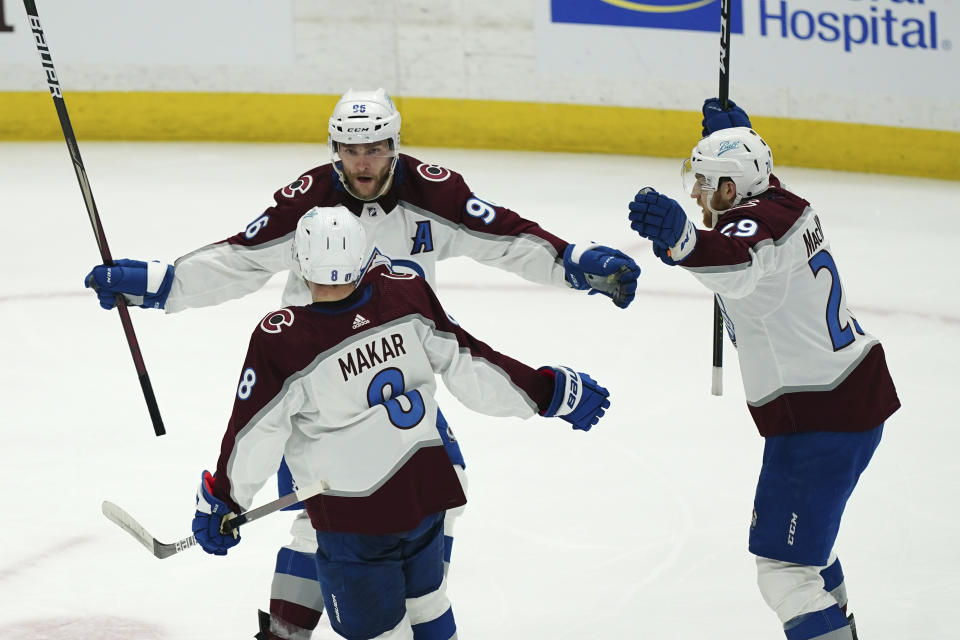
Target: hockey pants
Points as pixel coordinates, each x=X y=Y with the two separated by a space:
x=296 y=599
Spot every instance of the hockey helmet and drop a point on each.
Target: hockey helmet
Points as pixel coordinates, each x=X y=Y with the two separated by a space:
x=738 y=153
x=363 y=117
x=330 y=246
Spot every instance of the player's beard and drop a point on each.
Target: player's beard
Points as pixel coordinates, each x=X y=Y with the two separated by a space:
x=372 y=189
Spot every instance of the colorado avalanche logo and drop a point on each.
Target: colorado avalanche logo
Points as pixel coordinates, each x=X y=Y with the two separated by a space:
x=433 y=172
x=300 y=186
x=396 y=275
x=275 y=321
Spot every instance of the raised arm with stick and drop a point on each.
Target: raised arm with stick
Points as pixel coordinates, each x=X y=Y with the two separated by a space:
x=71 y=140
x=716 y=385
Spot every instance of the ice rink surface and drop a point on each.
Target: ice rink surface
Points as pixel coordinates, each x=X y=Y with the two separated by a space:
x=637 y=529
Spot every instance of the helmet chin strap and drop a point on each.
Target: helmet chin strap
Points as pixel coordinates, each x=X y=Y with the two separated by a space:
x=714 y=213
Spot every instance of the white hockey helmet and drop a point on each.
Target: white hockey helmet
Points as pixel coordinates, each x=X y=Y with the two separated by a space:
x=330 y=246
x=738 y=153
x=363 y=117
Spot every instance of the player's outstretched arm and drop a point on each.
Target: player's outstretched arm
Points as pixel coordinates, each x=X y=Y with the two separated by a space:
x=144 y=284
x=577 y=398
x=602 y=270
x=715 y=117
x=662 y=221
x=208 y=521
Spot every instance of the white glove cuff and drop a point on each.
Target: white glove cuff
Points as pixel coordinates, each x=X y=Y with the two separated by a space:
x=577 y=251
x=686 y=243
x=156 y=272
x=572 y=392
x=202 y=505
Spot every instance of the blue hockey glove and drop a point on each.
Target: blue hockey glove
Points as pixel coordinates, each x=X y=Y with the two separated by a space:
x=602 y=270
x=716 y=118
x=209 y=518
x=144 y=284
x=577 y=398
x=662 y=251
x=662 y=220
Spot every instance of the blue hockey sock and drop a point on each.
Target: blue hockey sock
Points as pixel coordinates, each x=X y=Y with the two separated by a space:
x=441 y=628
x=833 y=582
x=829 y=624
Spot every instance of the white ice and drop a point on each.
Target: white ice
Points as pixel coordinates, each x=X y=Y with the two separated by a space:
x=636 y=529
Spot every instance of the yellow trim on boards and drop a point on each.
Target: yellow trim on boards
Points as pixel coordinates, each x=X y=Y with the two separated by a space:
x=482 y=124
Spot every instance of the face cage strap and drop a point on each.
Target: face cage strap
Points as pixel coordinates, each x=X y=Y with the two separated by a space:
x=714 y=213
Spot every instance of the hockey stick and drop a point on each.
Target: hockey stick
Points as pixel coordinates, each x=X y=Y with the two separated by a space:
x=53 y=82
x=166 y=549
x=716 y=384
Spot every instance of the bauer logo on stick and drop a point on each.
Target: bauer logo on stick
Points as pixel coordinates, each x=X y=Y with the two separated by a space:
x=45 y=58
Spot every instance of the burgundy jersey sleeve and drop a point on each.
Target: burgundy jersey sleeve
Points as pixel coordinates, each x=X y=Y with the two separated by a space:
x=745 y=245
x=766 y=218
x=467 y=224
x=259 y=424
x=243 y=263
x=447 y=194
x=481 y=377
x=313 y=188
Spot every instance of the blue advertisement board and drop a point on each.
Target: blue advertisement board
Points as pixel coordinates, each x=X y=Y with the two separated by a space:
x=689 y=15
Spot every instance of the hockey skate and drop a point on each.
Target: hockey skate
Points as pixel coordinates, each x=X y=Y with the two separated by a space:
x=264 y=619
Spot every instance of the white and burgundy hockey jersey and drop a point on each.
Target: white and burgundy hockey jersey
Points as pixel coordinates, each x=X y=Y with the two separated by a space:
x=807 y=364
x=429 y=214
x=345 y=391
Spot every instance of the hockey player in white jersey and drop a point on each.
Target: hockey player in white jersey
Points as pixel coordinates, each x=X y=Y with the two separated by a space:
x=416 y=213
x=816 y=380
x=344 y=389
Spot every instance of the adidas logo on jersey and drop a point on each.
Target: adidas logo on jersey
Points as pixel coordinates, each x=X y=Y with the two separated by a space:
x=359 y=321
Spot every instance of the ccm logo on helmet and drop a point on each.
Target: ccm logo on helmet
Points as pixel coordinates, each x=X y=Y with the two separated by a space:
x=357 y=129
x=432 y=172
x=300 y=186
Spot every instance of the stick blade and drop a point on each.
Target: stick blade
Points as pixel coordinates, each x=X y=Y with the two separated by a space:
x=126 y=522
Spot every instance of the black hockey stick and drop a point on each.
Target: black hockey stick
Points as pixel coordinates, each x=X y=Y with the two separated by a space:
x=53 y=82
x=716 y=385
x=166 y=549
